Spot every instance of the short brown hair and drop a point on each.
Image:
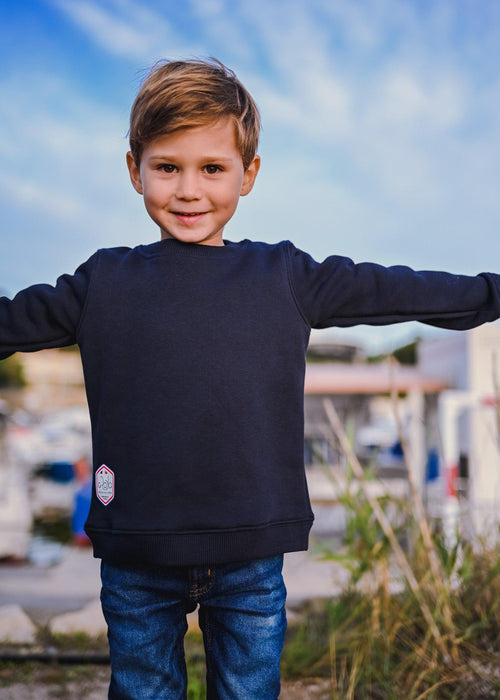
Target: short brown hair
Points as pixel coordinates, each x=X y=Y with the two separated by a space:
x=183 y=94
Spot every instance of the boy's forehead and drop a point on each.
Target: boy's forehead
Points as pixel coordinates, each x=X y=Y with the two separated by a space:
x=224 y=126
x=216 y=136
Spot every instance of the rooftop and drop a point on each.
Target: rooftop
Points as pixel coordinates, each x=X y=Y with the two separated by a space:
x=378 y=378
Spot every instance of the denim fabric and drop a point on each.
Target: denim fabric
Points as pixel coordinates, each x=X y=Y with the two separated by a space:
x=241 y=614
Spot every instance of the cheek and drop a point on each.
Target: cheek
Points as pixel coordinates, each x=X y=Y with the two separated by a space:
x=228 y=206
x=154 y=202
x=154 y=194
x=230 y=197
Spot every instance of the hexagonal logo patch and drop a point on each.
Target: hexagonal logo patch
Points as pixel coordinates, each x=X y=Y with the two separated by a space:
x=105 y=484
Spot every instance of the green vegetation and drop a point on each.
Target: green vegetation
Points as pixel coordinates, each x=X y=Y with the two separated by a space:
x=419 y=620
x=77 y=643
x=421 y=616
x=195 y=661
x=11 y=373
x=56 y=528
x=61 y=679
x=67 y=681
x=405 y=355
x=377 y=645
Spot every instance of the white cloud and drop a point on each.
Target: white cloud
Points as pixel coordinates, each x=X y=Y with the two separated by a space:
x=109 y=31
x=224 y=28
x=359 y=25
x=126 y=28
x=208 y=9
x=405 y=99
x=383 y=88
x=63 y=165
x=24 y=192
x=380 y=130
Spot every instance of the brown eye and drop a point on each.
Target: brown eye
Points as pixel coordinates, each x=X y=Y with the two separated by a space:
x=167 y=167
x=212 y=169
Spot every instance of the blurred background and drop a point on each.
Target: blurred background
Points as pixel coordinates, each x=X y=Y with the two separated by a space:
x=380 y=134
x=380 y=141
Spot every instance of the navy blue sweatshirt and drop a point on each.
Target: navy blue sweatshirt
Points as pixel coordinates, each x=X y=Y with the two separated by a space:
x=194 y=361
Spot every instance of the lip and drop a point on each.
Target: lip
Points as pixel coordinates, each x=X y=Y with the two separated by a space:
x=189 y=218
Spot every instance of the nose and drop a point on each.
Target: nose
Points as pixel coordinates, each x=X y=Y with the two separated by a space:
x=188 y=186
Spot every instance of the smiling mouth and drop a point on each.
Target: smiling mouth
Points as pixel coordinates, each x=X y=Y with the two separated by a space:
x=189 y=218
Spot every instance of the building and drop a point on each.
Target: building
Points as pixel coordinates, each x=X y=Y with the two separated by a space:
x=450 y=410
x=468 y=417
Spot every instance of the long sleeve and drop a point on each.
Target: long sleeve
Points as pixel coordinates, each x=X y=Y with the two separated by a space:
x=44 y=316
x=338 y=292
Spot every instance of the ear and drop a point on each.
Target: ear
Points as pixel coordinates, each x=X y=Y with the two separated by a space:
x=134 y=172
x=250 y=175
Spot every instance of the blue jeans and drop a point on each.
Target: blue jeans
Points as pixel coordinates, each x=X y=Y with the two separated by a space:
x=241 y=615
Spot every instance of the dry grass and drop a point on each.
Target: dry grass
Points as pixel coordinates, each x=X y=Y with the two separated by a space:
x=436 y=638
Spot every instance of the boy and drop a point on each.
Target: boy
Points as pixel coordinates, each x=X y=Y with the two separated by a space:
x=193 y=350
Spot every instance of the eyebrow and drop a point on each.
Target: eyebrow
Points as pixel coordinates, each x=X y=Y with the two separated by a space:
x=168 y=158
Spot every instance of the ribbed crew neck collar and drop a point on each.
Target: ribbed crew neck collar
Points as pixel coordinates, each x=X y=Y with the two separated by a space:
x=172 y=245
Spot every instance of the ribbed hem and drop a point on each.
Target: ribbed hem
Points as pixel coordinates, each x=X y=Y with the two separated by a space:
x=192 y=549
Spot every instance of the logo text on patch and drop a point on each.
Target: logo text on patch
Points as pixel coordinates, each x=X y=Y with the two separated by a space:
x=105 y=484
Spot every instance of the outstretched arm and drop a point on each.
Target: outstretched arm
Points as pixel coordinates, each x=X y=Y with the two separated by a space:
x=338 y=292
x=44 y=316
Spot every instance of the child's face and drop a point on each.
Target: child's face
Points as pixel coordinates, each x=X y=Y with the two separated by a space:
x=191 y=181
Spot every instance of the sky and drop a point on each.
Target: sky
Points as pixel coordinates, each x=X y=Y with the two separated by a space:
x=380 y=141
